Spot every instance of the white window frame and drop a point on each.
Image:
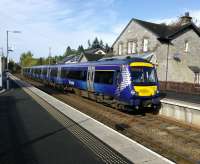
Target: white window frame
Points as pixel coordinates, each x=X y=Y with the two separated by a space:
x=120 y=48
x=186 y=46
x=145 y=44
x=134 y=46
x=131 y=47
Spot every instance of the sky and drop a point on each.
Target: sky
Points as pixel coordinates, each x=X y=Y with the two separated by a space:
x=61 y=23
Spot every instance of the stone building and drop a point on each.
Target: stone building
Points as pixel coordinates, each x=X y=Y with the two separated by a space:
x=176 y=47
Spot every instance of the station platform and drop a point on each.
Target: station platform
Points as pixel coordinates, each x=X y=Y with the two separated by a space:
x=188 y=98
x=29 y=134
x=37 y=128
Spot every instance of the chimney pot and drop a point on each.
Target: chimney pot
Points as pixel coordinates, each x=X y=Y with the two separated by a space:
x=186 y=19
x=187 y=14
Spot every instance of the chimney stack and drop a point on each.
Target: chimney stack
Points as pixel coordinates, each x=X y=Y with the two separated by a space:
x=185 y=19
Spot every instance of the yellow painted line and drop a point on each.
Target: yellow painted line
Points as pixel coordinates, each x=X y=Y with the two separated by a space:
x=141 y=64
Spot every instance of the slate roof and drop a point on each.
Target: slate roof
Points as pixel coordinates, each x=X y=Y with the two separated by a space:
x=182 y=29
x=163 y=31
x=92 y=51
x=70 y=58
x=93 y=57
x=160 y=30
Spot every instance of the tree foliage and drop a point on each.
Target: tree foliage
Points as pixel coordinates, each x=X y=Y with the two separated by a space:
x=89 y=44
x=98 y=44
x=26 y=59
x=14 y=67
x=68 y=51
x=80 y=49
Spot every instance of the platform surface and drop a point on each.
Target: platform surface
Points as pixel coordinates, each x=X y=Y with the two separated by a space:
x=185 y=97
x=29 y=134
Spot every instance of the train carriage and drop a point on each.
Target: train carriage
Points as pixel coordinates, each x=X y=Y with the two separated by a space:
x=123 y=83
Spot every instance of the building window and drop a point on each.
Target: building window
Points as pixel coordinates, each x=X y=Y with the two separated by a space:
x=134 y=47
x=131 y=47
x=120 y=48
x=186 y=46
x=145 y=45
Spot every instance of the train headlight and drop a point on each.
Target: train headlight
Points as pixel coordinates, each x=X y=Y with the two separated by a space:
x=134 y=93
x=157 y=91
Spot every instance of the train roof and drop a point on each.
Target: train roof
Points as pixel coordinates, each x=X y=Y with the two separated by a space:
x=111 y=61
x=108 y=62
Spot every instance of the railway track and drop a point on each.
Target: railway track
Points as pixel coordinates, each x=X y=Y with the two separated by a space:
x=176 y=141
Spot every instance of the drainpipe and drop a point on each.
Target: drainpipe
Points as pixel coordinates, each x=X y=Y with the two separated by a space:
x=167 y=62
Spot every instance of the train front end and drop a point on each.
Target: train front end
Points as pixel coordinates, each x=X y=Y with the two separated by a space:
x=144 y=81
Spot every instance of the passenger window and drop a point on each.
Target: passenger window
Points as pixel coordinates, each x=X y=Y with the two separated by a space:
x=73 y=74
x=104 y=77
x=54 y=72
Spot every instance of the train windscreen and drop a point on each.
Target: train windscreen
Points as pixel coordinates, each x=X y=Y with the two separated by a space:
x=143 y=75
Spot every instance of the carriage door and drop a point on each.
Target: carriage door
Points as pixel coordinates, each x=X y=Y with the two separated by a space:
x=90 y=78
x=59 y=75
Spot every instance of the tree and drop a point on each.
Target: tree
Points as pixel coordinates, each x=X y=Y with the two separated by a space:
x=68 y=51
x=14 y=67
x=11 y=65
x=80 y=49
x=107 y=48
x=89 y=44
x=101 y=44
x=95 y=43
x=26 y=59
x=40 y=61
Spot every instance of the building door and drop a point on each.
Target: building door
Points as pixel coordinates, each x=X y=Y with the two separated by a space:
x=90 y=78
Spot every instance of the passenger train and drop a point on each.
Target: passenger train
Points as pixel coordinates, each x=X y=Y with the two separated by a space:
x=125 y=84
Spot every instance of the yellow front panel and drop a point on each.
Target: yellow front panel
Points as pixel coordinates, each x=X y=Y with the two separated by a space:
x=145 y=90
x=141 y=64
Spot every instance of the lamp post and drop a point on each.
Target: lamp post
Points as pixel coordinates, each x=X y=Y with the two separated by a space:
x=7 y=52
x=2 y=51
x=7 y=32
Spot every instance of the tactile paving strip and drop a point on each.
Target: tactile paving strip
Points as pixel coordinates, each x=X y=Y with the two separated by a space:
x=103 y=151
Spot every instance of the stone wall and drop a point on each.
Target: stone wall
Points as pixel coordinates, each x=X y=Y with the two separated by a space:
x=178 y=60
x=137 y=33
